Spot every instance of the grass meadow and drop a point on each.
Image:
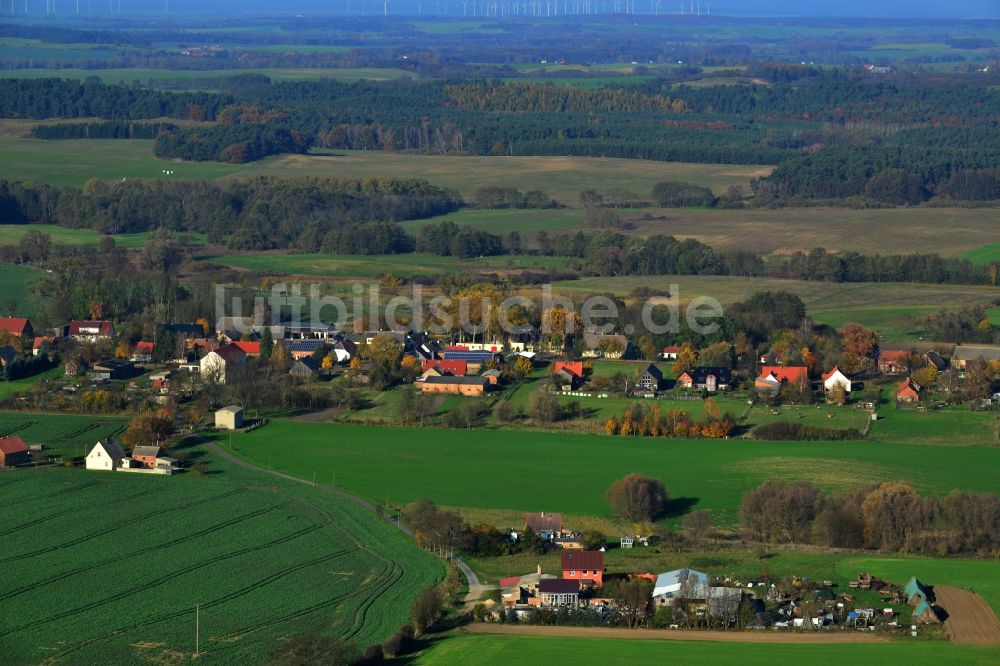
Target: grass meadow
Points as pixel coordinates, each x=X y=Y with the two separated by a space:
x=108 y=567
x=890 y=308
x=74 y=161
x=481 y=649
x=410 y=463
x=177 y=77
x=986 y=254
x=15 y=287
x=404 y=265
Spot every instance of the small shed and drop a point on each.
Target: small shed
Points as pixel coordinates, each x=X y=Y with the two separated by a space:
x=229 y=418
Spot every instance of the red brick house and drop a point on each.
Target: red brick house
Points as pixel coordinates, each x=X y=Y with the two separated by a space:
x=586 y=566
x=17 y=326
x=13 y=451
x=908 y=391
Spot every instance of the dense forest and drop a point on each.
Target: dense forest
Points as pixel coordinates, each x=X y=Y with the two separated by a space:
x=834 y=135
x=259 y=213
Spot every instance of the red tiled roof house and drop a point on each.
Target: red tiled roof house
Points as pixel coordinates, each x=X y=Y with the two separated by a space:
x=586 y=566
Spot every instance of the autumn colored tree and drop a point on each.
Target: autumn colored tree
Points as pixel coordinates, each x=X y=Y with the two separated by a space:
x=686 y=359
x=523 y=366
x=96 y=310
x=636 y=497
x=711 y=410
x=149 y=428
x=857 y=342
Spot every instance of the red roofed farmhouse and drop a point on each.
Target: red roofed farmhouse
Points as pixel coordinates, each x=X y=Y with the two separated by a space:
x=13 y=451
x=19 y=326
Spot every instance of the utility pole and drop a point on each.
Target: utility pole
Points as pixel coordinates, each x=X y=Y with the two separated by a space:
x=197 y=629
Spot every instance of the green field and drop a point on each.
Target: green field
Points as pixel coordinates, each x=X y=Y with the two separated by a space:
x=890 y=308
x=108 y=567
x=404 y=265
x=412 y=463
x=983 y=255
x=10 y=234
x=73 y=162
x=19 y=385
x=154 y=77
x=15 y=286
x=62 y=434
x=465 y=649
x=955 y=426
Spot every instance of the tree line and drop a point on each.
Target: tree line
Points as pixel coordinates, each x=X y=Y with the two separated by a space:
x=259 y=213
x=889 y=517
x=111 y=129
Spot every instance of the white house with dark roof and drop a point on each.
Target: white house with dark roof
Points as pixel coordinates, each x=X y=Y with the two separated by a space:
x=106 y=456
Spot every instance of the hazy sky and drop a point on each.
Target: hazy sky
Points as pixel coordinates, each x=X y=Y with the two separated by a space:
x=887 y=8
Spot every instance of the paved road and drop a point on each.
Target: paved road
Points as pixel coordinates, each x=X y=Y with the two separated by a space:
x=476 y=589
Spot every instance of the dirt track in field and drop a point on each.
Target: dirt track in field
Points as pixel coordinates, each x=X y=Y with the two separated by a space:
x=970 y=619
x=800 y=638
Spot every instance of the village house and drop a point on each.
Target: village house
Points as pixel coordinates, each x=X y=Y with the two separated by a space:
x=149 y=458
x=91 y=331
x=936 y=360
x=544 y=524
x=39 y=343
x=466 y=386
x=106 y=455
x=475 y=359
x=555 y=593
x=893 y=361
x=13 y=451
x=493 y=377
x=248 y=347
x=229 y=418
x=19 y=327
x=446 y=367
x=586 y=566
x=966 y=353
x=114 y=368
x=773 y=377
x=345 y=349
x=596 y=345
x=305 y=368
x=219 y=365
x=304 y=348
x=523 y=590
x=142 y=352
x=908 y=391
x=649 y=381
x=670 y=353
x=707 y=379
x=836 y=378
x=680 y=584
